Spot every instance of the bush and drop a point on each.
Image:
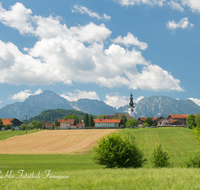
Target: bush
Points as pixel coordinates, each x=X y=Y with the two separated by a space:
x=193 y=162
x=160 y=157
x=145 y=124
x=7 y=127
x=117 y=151
x=132 y=123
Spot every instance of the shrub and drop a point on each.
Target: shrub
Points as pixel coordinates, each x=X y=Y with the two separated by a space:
x=193 y=162
x=145 y=124
x=118 y=151
x=132 y=123
x=160 y=157
x=7 y=127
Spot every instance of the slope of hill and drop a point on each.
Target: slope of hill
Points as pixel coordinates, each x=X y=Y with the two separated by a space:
x=52 y=115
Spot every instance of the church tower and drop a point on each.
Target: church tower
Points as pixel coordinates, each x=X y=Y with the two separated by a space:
x=131 y=106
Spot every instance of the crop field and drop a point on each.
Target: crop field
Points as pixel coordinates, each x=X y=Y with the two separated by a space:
x=54 y=141
x=63 y=171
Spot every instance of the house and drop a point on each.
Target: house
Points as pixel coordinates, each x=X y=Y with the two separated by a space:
x=65 y=123
x=156 y=120
x=106 y=122
x=47 y=124
x=181 y=118
x=14 y=122
x=78 y=126
x=169 y=122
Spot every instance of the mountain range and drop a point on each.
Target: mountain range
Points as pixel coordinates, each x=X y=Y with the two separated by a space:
x=150 y=106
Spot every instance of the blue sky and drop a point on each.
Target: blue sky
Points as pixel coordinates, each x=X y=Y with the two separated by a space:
x=100 y=49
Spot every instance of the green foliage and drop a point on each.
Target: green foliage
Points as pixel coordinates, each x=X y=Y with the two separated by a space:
x=91 y=124
x=191 y=121
x=123 y=120
x=197 y=133
x=132 y=123
x=197 y=119
x=115 y=118
x=101 y=116
x=116 y=151
x=75 y=117
x=86 y=120
x=160 y=157
x=1 y=124
x=7 y=127
x=145 y=124
x=52 y=115
x=193 y=161
x=149 y=121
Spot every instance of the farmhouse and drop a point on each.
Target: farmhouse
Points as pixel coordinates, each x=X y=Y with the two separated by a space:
x=106 y=122
x=181 y=118
x=14 y=122
x=78 y=126
x=47 y=124
x=65 y=123
x=156 y=120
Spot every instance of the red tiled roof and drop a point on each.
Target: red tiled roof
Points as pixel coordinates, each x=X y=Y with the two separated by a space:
x=178 y=116
x=106 y=120
x=66 y=120
x=80 y=124
x=7 y=121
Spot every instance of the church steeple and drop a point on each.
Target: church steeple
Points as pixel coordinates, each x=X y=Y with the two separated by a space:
x=131 y=104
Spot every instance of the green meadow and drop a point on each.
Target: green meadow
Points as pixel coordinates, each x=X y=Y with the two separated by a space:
x=65 y=171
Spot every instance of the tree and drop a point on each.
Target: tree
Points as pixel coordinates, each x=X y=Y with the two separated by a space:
x=115 y=118
x=160 y=157
x=1 y=124
x=191 y=121
x=75 y=117
x=132 y=123
x=149 y=121
x=8 y=126
x=116 y=151
x=91 y=124
x=101 y=116
x=123 y=119
x=197 y=119
x=86 y=120
x=145 y=124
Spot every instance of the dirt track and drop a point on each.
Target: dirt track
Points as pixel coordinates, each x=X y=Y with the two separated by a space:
x=48 y=142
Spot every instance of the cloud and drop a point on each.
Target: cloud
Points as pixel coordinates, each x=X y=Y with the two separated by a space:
x=85 y=10
x=130 y=39
x=193 y=4
x=195 y=100
x=175 y=6
x=22 y=95
x=116 y=100
x=78 y=94
x=183 y=23
x=77 y=54
x=0 y=101
x=138 y=2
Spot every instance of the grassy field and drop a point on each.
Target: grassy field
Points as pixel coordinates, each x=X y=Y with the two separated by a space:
x=179 y=142
x=80 y=172
x=8 y=134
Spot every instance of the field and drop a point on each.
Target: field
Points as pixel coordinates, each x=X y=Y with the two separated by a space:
x=54 y=141
x=78 y=171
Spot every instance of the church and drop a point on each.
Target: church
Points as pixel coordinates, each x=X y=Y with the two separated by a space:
x=129 y=115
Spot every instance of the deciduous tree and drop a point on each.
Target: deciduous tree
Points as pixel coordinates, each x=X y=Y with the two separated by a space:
x=132 y=123
x=1 y=124
x=191 y=121
x=123 y=119
x=149 y=121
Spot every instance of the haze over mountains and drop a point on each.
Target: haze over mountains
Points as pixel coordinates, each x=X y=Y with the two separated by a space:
x=150 y=106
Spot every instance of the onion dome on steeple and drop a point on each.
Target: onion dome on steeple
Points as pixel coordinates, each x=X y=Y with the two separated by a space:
x=131 y=104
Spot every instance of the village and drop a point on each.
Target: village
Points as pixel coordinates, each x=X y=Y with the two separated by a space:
x=118 y=120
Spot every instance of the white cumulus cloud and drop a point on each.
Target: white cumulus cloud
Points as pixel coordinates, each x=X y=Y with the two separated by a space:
x=193 y=4
x=195 y=100
x=175 y=5
x=85 y=10
x=183 y=23
x=61 y=55
x=22 y=95
x=130 y=39
x=79 y=94
x=116 y=100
